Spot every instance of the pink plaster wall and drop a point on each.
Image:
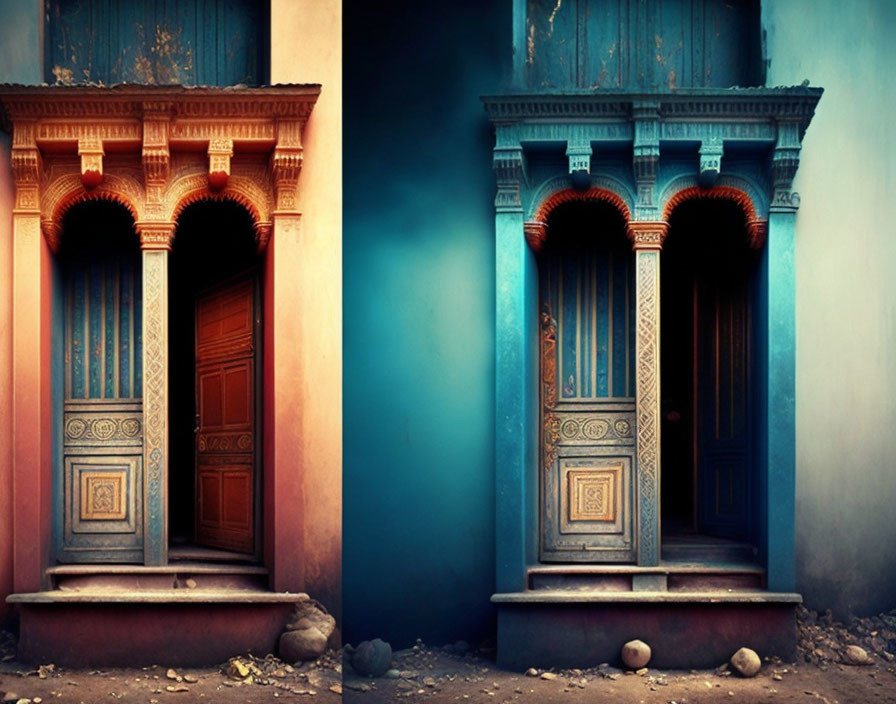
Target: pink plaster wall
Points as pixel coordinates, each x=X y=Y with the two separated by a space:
x=306 y=47
x=6 y=502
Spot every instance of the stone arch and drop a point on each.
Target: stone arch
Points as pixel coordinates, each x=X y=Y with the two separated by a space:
x=243 y=190
x=68 y=190
x=734 y=190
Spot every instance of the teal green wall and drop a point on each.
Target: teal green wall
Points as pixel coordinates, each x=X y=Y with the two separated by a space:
x=845 y=251
x=418 y=478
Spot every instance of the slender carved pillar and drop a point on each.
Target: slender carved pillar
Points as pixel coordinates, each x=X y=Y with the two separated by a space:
x=155 y=240
x=647 y=238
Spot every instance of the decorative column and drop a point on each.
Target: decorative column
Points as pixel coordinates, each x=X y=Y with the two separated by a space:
x=32 y=425
x=155 y=241
x=284 y=397
x=779 y=417
x=516 y=316
x=647 y=239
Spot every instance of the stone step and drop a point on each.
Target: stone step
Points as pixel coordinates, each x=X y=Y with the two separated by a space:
x=182 y=575
x=685 y=629
x=112 y=626
x=673 y=577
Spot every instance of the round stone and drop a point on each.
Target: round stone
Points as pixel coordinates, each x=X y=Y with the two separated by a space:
x=746 y=662
x=635 y=654
x=372 y=658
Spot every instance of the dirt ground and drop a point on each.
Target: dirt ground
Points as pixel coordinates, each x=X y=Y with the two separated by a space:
x=435 y=676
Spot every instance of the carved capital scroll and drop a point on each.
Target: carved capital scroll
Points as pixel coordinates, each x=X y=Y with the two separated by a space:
x=155 y=235
x=647 y=235
x=536 y=234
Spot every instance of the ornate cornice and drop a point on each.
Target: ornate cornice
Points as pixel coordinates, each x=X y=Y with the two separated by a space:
x=141 y=146
x=797 y=103
x=647 y=235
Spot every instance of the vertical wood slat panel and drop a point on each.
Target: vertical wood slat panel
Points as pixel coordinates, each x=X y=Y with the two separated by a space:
x=102 y=340
x=590 y=294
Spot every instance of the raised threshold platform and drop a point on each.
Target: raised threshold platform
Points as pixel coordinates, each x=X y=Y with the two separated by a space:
x=691 y=615
x=176 y=615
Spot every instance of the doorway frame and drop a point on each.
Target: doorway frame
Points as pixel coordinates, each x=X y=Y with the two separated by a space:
x=154 y=149
x=649 y=151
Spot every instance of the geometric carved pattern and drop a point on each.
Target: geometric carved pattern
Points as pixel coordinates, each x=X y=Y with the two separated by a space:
x=103 y=496
x=592 y=493
x=111 y=430
x=648 y=402
x=155 y=397
x=551 y=424
x=225 y=442
x=589 y=428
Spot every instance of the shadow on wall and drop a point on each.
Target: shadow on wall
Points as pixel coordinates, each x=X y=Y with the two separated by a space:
x=418 y=473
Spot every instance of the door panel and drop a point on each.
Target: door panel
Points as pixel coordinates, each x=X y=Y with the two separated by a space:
x=226 y=408
x=588 y=413
x=723 y=448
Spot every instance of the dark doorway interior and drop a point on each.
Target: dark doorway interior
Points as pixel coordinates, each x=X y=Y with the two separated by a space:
x=214 y=243
x=708 y=445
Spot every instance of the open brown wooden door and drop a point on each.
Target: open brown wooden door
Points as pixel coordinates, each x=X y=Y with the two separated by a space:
x=226 y=333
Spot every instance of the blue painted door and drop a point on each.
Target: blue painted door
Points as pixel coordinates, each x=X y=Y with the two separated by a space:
x=587 y=290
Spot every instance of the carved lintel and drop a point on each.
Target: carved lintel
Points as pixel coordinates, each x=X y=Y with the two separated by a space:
x=647 y=234
x=155 y=235
x=536 y=234
x=219 y=153
x=90 y=149
x=262 y=235
x=757 y=233
x=711 y=152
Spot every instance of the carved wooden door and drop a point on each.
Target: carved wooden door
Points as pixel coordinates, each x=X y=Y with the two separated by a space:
x=226 y=334
x=588 y=410
x=723 y=407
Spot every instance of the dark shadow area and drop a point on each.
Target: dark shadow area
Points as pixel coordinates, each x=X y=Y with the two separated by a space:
x=708 y=287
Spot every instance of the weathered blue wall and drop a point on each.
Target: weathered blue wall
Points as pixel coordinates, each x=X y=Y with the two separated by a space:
x=845 y=311
x=418 y=477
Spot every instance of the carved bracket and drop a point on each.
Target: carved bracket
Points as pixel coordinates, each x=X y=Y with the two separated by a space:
x=90 y=149
x=711 y=151
x=785 y=161
x=646 y=155
x=220 y=151
x=579 y=155
x=647 y=235
x=509 y=169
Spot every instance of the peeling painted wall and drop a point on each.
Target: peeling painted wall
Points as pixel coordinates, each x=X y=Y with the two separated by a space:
x=845 y=310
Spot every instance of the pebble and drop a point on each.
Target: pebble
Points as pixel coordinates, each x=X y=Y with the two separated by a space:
x=854 y=655
x=531 y=672
x=548 y=676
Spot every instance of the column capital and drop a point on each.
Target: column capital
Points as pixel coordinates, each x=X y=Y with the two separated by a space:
x=647 y=234
x=155 y=235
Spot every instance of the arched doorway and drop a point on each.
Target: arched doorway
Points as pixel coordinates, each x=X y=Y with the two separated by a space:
x=215 y=385
x=100 y=484
x=586 y=300
x=709 y=495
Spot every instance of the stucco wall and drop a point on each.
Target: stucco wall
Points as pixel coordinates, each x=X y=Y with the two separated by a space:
x=845 y=311
x=19 y=63
x=306 y=48
x=419 y=318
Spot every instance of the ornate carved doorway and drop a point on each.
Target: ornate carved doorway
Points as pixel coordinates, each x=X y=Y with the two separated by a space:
x=587 y=288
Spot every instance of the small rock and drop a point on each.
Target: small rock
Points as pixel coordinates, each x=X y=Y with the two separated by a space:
x=10 y=697
x=776 y=677
x=531 y=672
x=392 y=674
x=306 y=644
x=24 y=700
x=337 y=688
x=372 y=658
x=191 y=583
x=635 y=654
x=171 y=674
x=746 y=662
x=854 y=655
x=191 y=679
x=237 y=669
x=643 y=671
x=429 y=681
x=548 y=676
x=177 y=688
